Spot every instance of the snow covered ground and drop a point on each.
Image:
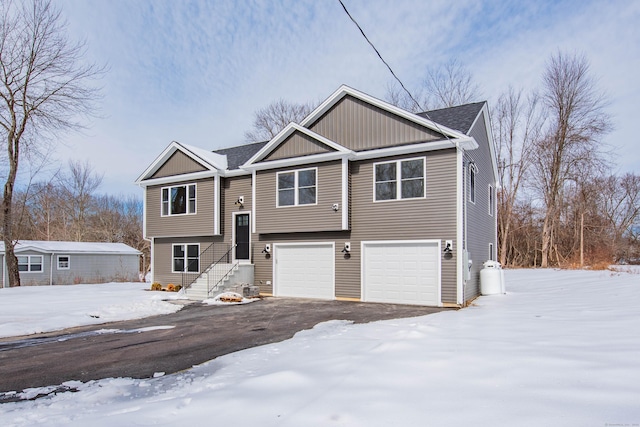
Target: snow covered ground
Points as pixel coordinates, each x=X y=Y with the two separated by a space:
x=34 y=309
x=560 y=349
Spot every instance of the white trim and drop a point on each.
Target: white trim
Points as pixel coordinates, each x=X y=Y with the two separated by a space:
x=144 y=212
x=286 y=133
x=253 y=201
x=396 y=242
x=41 y=271
x=346 y=90
x=152 y=260
x=208 y=160
x=487 y=124
x=398 y=179
x=58 y=262
x=345 y=194
x=216 y=208
x=298 y=161
x=233 y=235
x=296 y=188
x=274 y=250
x=186 y=257
x=460 y=179
x=186 y=186
x=491 y=198
x=467 y=143
x=473 y=171
x=178 y=178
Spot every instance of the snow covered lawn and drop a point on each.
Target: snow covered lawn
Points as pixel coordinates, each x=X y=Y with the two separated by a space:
x=560 y=349
x=34 y=309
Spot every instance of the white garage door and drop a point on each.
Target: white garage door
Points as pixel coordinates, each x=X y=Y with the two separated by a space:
x=405 y=272
x=304 y=270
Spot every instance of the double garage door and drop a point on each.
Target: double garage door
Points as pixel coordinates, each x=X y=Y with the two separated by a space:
x=404 y=272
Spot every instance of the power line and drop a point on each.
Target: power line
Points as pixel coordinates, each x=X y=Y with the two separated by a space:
x=392 y=73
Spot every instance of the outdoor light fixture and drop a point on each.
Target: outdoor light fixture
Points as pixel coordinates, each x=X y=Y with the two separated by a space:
x=267 y=249
x=240 y=201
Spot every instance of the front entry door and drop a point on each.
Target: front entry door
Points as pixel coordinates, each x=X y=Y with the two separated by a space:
x=242 y=236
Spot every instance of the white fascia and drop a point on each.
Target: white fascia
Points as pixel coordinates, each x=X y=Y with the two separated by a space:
x=460 y=273
x=466 y=143
x=284 y=134
x=345 y=193
x=179 y=178
x=298 y=161
x=214 y=161
x=484 y=112
x=345 y=90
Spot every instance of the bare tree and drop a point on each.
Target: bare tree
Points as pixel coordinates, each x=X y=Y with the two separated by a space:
x=79 y=185
x=44 y=89
x=270 y=120
x=446 y=86
x=577 y=119
x=517 y=124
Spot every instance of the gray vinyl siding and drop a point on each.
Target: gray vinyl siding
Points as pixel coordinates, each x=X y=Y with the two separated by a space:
x=83 y=269
x=358 y=126
x=296 y=145
x=178 y=164
x=296 y=219
x=198 y=224
x=481 y=227
x=432 y=218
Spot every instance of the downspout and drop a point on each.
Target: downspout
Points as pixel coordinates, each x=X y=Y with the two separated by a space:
x=51 y=269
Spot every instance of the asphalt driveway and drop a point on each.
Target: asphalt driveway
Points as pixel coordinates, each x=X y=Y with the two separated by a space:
x=173 y=342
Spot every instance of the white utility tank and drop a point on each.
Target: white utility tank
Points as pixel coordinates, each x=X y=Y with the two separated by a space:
x=492 y=278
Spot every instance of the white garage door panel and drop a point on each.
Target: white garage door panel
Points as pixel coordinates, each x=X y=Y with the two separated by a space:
x=304 y=271
x=403 y=272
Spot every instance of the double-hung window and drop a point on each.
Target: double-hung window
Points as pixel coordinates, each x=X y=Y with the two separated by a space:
x=30 y=263
x=400 y=179
x=179 y=200
x=64 y=262
x=186 y=258
x=297 y=187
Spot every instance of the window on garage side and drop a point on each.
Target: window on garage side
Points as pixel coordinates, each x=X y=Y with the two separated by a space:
x=186 y=258
x=64 y=262
x=179 y=200
x=473 y=170
x=491 y=200
x=297 y=187
x=400 y=179
x=30 y=263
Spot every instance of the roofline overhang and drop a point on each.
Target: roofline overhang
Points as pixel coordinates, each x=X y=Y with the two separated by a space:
x=179 y=178
x=345 y=90
x=298 y=161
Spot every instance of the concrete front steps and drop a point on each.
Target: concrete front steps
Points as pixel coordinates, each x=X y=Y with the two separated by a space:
x=235 y=273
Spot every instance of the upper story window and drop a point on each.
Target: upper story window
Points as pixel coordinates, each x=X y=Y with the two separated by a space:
x=30 y=263
x=64 y=262
x=400 y=179
x=297 y=187
x=491 y=200
x=473 y=170
x=179 y=200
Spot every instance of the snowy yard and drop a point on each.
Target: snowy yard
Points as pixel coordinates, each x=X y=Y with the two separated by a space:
x=560 y=349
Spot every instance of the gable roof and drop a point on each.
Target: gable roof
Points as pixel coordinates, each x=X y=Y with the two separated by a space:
x=59 y=247
x=460 y=117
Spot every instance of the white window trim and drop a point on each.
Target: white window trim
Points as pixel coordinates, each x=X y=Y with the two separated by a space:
x=68 y=267
x=296 y=188
x=168 y=188
x=186 y=258
x=491 y=252
x=491 y=197
x=473 y=171
x=399 y=179
x=29 y=263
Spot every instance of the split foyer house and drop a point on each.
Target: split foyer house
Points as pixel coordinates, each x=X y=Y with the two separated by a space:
x=361 y=201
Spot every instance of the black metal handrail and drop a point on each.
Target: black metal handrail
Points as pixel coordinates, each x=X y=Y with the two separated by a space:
x=207 y=258
x=220 y=270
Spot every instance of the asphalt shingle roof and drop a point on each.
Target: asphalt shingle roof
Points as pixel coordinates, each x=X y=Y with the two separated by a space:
x=237 y=156
x=458 y=118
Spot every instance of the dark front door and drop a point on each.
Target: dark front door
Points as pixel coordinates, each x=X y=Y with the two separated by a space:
x=242 y=236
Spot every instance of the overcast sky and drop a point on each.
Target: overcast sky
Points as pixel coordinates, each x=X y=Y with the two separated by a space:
x=195 y=72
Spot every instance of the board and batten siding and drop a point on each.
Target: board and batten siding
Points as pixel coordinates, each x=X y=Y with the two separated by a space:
x=481 y=227
x=431 y=218
x=358 y=126
x=178 y=164
x=198 y=224
x=302 y=218
x=296 y=145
